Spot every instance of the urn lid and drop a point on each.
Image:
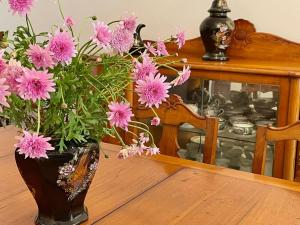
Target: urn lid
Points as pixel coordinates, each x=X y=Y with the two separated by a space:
x=219 y=6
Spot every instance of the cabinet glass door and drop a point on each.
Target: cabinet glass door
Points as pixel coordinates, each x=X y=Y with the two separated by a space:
x=240 y=107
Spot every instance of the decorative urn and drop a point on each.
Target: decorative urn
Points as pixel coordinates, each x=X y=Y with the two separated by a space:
x=216 y=32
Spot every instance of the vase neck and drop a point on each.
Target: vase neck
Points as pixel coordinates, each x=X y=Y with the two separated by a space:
x=218 y=14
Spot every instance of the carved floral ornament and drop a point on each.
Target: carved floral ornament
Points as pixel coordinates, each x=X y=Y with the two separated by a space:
x=242 y=33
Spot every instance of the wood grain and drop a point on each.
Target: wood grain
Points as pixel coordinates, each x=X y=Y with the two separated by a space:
x=200 y=198
x=163 y=190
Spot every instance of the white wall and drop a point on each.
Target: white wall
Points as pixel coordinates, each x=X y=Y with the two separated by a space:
x=163 y=16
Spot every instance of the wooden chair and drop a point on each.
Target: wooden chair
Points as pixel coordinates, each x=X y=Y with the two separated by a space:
x=264 y=134
x=172 y=114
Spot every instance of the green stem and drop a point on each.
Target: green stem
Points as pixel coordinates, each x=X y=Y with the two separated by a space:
x=147 y=131
x=109 y=91
x=119 y=137
x=39 y=116
x=62 y=94
x=96 y=88
x=168 y=67
x=29 y=25
x=154 y=112
x=137 y=122
x=115 y=21
x=92 y=49
x=60 y=10
x=132 y=133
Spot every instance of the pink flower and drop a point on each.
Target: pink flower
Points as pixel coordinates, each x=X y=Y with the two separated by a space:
x=2 y=62
x=119 y=114
x=13 y=71
x=69 y=21
x=153 y=90
x=149 y=47
x=143 y=139
x=21 y=7
x=129 y=23
x=153 y=151
x=183 y=76
x=103 y=35
x=41 y=58
x=34 y=146
x=161 y=49
x=122 y=40
x=3 y=94
x=63 y=47
x=180 y=39
x=35 y=85
x=144 y=69
x=155 y=121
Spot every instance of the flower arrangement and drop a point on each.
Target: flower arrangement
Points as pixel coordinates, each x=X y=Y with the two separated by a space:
x=49 y=89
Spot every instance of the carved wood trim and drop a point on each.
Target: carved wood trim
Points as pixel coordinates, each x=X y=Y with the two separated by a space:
x=173 y=113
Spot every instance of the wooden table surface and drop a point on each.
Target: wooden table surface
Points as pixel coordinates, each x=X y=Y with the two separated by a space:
x=160 y=190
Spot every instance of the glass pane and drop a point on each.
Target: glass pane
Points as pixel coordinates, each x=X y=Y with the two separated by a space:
x=240 y=107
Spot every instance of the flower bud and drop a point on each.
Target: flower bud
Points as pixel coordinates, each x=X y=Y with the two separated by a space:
x=94 y=18
x=64 y=106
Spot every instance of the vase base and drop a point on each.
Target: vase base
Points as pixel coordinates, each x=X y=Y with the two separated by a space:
x=215 y=57
x=79 y=219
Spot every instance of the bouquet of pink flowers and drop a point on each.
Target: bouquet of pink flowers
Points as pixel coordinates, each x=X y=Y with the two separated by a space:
x=49 y=89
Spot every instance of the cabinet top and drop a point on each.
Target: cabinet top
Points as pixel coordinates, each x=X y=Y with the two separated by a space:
x=250 y=52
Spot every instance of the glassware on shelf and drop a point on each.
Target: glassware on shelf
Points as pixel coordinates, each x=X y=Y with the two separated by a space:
x=236 y=105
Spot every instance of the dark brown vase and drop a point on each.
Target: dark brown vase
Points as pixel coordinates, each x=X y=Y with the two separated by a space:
x=59 y=184
x=216 y=31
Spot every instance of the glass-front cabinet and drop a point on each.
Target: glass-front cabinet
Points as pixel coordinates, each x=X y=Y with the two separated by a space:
x=240 y=107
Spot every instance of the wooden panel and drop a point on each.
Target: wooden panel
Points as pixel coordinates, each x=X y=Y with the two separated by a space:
x=293 y=116
x=200 y=197
x=250 y=52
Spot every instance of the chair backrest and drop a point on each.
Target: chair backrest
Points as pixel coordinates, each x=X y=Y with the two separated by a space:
x=172 y=114
x=265 y=134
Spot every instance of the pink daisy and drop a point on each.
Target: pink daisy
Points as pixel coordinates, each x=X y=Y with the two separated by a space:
x=119 y=114
x=149 y=47
x=153 y=150
x=36 y=85
x=2 y=62
x=3 y=94
x=69 y=21
x=22 y=7
x=102 y=34
x=41 y=58
x=143 y=139
x=183 y=76
x=144 y=69
x=63 y=47
x=34 y=146
x=129 y=23
x=161 y=49
x=127 y=151
x=153 y=90
x=155 y=121
x=180 y=39
x=122 y=40
x=13 y=71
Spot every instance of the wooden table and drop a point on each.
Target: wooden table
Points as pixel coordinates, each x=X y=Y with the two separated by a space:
x=160 y=191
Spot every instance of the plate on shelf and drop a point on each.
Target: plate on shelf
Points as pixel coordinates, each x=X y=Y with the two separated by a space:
x=187 y=126
x=196 y=139
x=242 y=136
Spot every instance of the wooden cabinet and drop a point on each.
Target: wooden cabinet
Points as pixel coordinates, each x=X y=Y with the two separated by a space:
x=256 y=59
